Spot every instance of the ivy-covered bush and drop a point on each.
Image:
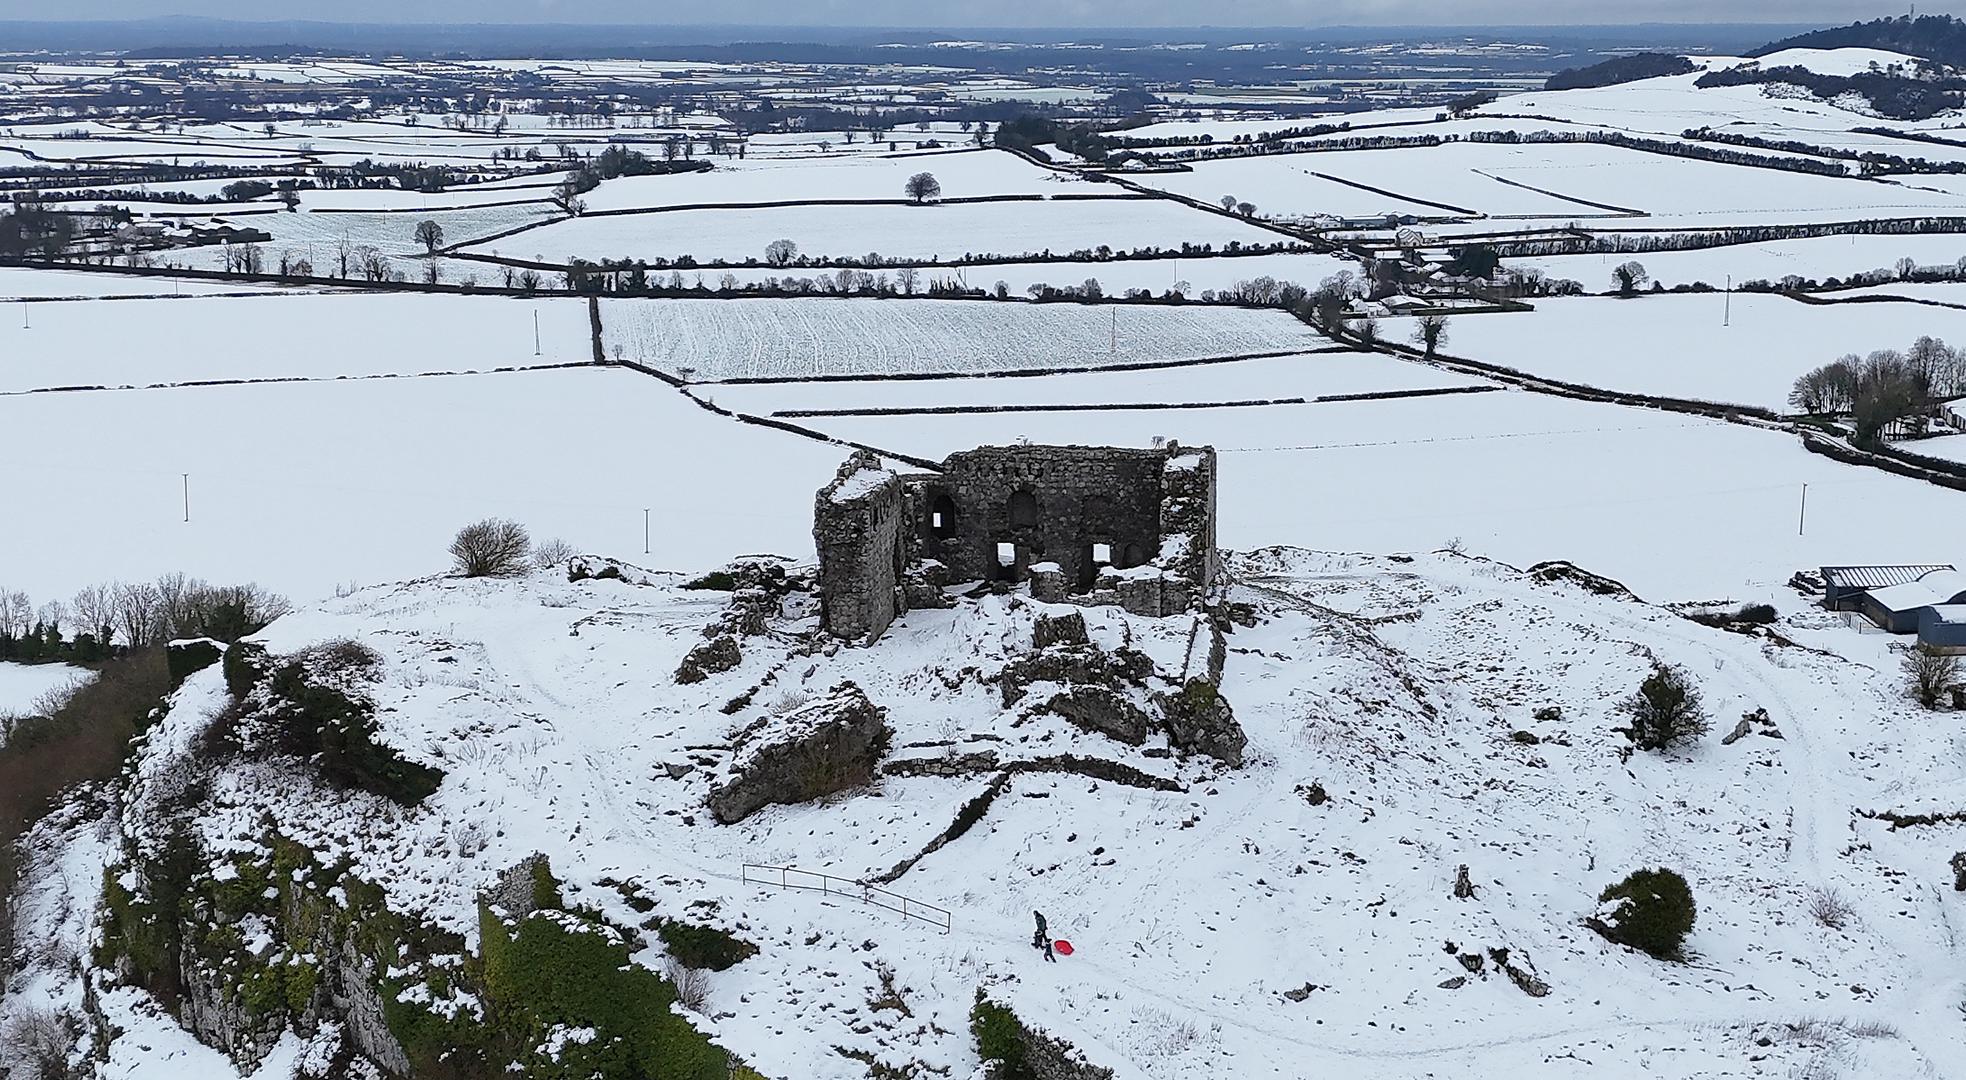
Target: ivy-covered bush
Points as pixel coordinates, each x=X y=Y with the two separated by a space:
x=999 y=1038
x=704 y=947
x=310 y=705
x=1651 y=911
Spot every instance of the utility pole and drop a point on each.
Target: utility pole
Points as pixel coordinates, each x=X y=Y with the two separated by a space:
x=1802 y=515
x=186 y=477
x=24 y=309
x=645 y=530
x=1727 y=308
x=1113 y=345
x=535 y=331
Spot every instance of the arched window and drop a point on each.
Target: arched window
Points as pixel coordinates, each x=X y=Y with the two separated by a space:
x=1023 y=509
x=942 y=516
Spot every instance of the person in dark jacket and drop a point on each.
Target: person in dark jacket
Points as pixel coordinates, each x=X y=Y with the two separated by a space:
x=1042 y=939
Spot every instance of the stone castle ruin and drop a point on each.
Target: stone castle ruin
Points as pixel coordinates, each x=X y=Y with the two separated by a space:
x=1084 y=524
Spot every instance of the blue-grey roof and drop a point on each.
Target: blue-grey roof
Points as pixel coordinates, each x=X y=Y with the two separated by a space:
x=1877 y=577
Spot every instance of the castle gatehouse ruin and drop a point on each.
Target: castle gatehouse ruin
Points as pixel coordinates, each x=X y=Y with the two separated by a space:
x=1079 y=524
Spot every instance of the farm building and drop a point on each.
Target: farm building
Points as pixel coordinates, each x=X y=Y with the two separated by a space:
x=1898 y=608
x=1942 y=628
x=1845 y=586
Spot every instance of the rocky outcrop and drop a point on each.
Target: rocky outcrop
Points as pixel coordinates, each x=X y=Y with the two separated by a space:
x=1959 y=871
x=1199 y=720
x=716 y=655
x=1101 y=709
x=826 y=746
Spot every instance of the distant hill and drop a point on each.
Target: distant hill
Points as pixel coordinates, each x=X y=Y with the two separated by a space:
x=1621 y=69
x=1933 y=37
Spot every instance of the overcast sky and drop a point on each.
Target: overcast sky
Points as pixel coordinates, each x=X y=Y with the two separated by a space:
x=934 y=13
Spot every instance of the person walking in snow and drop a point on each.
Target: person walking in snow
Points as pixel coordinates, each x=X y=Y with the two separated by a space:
x=1042 y=939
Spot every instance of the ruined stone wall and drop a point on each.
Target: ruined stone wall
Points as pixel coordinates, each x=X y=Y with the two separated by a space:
x=1187 y=524
x=857 y=524
x=1052 y=503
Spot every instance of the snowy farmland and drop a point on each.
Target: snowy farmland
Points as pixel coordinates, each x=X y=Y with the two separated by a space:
x=161 y=342
x=1301 y=375
x=368 y=479
x=1676 y=346
x=1816 y=258
x=962 y=174
x=946 y=232
x=807 y=337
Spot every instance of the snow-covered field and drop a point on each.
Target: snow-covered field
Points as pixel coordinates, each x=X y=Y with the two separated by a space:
x=946 y=232
x=305 y=486
x=962 y=175
x=1281 y=186
x=806 y=337
x=316 y=235
x=1305 y=375
x=120 y=343
x=1677 y=345
x=1815 y=258
x=1115 y=276
x=17 y=283
x=22 y=686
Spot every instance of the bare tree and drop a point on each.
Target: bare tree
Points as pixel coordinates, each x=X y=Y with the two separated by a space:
x=16 y=614
x=923 y=186
x=95 y=612
x=908 y=277
x=491 y=548
x=136 y=612
x=1905 y=267
x=1629 y=277
x=1246 y=209
x=374 y=264
x=1430 y=332
x=566 y=196
x=430 y=235
x=781 y=252
x=1228 y=202
x=344 y=252
x=1929 y=674
x=548 y=554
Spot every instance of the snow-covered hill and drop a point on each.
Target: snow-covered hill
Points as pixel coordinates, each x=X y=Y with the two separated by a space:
x=1405 y=716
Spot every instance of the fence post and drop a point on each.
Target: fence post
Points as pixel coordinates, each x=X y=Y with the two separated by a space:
x=904 y=907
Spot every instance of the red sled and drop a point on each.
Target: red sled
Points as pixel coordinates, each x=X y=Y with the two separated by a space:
x=1062 y=947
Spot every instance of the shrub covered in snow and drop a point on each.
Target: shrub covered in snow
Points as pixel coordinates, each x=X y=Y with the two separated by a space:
x=1651 y=911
